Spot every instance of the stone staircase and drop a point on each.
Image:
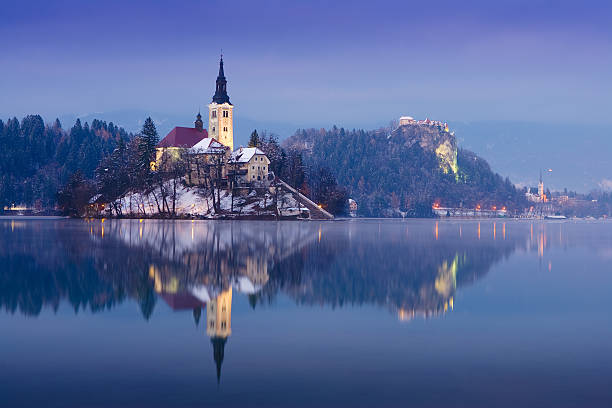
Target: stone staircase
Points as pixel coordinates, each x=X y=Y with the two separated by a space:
x=316 y=212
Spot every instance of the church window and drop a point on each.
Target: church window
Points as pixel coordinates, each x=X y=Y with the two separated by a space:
x=214 y=114
x=223 y=325
x=213 y=128
x=212 y=325
x=226 y=114
x=225 y=129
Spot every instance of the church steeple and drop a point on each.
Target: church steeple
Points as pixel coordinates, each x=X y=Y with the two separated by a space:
x=221 y=89
x=218 y=353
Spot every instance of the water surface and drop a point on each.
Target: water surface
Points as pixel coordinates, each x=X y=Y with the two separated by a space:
x=349 y=313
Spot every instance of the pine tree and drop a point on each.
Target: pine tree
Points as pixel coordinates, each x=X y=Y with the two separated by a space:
x=148 y=140
x=254 y=141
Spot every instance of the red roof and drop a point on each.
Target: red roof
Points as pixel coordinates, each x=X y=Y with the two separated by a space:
x=182 y=301
x=183 y=137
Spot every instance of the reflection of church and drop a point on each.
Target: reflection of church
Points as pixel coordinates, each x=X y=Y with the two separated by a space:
x=181 y=295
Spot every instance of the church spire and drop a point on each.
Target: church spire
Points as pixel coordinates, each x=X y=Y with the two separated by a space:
x=221 y=89
x=218 y=352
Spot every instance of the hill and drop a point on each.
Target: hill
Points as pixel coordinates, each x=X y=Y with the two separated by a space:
x=404 y=170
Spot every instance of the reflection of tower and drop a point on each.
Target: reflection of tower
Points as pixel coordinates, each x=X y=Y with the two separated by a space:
x=541 y=186
x=219 y=325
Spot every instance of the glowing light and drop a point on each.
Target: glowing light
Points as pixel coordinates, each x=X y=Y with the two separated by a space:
x=504 y=230
x=140 y=220
x=478 y=230
x=494 y=231
x=436 y=230
x=478 y=207
x=102 y=221
x=494 y=208
x=319 y=233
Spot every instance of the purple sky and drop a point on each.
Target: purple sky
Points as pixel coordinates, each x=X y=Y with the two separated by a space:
x=312 y=62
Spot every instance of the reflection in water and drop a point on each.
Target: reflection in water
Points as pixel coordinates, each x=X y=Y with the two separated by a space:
x=198 y=266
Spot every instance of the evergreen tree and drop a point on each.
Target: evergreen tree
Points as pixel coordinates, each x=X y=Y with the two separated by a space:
x=254 y=141
x=148 y=140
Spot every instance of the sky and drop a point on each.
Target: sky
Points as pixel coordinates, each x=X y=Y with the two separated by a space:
x=312 y=62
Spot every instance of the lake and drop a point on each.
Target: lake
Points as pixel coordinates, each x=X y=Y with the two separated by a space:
x=368 y=313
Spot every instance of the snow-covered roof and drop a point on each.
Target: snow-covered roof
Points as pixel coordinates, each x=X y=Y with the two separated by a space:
x=244 y=285
x=245 y=154
x=207 y=145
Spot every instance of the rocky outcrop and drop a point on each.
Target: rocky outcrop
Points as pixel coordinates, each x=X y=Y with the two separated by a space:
x=430 y=138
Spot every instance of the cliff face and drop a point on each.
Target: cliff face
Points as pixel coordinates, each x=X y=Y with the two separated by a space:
x=430 y=138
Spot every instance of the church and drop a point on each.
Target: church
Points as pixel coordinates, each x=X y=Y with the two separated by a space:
x=220 y=122
x=218 y=139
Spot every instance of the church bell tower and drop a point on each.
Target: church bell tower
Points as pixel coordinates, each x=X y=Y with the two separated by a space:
x=220 y=112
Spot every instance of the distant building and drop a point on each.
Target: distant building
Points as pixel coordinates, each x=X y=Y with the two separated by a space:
x=352 y=207
x=409 y=120
x=406 y=120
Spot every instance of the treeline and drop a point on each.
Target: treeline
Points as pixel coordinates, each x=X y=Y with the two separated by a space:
x=390 y=176
x=318 y=182
x=130 y=167
x=37 y=158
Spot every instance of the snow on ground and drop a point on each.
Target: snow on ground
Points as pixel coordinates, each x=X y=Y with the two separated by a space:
x=198 y=202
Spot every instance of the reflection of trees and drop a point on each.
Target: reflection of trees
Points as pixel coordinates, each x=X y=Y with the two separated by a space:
x=96 y=266
x=410 y=275
x=96 y=270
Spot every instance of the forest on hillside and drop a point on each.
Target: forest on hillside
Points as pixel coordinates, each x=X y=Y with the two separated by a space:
x=388 y=176
x=36 y=159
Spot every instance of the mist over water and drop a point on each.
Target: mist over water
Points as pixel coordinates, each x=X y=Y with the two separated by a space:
x=359 y=313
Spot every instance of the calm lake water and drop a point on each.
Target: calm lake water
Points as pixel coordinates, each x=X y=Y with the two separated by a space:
x=348 y=313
